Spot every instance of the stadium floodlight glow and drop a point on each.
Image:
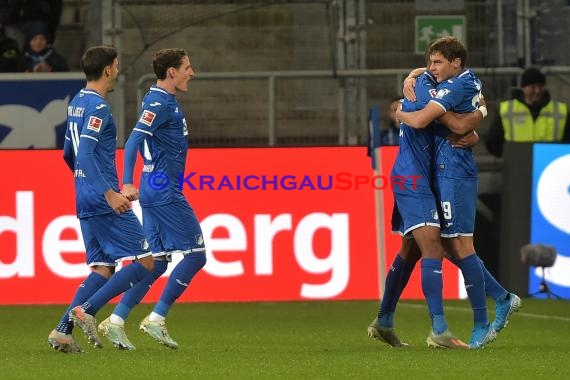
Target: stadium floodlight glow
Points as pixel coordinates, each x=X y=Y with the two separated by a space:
x=543 y=256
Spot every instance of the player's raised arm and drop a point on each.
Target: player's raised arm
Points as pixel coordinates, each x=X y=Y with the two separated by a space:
x=410 y=83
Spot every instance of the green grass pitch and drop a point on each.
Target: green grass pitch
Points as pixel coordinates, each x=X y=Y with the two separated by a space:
x=302 y=340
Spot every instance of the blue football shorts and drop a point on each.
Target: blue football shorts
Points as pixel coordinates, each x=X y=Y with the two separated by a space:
x=414 y=209
x=172 y=228
x=458 y=205
x=110 y=238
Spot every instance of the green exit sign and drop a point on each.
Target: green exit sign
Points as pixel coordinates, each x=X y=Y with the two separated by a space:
x=430 y=28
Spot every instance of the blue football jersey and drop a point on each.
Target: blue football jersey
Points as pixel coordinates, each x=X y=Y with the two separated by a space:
x=90 y=144
x=459 y=94
x=416 y=145
x=161 y=136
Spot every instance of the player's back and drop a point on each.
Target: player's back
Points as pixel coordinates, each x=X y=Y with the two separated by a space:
x=165 y=147
x=416 y=145
x=460 y=94
x=89 y=117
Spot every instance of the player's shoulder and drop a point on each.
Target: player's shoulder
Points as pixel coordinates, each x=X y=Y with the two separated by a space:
x=94 y=102
x=156 y=96
x=427 y=79
x=468 y=79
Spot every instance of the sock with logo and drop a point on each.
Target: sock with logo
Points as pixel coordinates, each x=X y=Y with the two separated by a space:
x=179 y=280
x=475 y=285
x=88 y=287
x=432 y=287
x=117 y=284
x=135 y=294
x=396 y=280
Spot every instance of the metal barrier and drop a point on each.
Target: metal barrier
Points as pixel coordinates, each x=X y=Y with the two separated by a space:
x=272 y=76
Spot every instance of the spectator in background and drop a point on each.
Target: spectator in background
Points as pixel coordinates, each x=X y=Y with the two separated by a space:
x=391 y=135
x=9 y=52
x=21 y=14
x=40 y=55
x=530 y=116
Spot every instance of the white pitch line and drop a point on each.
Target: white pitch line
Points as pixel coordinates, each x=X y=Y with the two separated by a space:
x=518 y=313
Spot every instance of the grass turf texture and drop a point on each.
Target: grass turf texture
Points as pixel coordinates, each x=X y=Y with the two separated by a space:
x=304 y=340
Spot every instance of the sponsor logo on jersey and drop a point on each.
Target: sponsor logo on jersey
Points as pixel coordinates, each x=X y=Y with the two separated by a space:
x=441 y=93
x=100 y=106
x=94 y=123
x=147 y=117
x=154 y=104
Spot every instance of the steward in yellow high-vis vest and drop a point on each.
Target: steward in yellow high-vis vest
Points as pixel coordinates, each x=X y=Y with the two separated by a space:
x=520 y=125
x=531 y=116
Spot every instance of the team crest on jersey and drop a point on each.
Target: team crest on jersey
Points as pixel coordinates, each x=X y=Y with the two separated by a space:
x=441 y=93
x=144 y=245
x=433 y=92
x=94 y=123
x=434 y=214
x=147 y=117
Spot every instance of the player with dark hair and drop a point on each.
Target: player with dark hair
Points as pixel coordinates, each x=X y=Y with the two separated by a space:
x=455 y=175
x=169 y=222
x=416 y=218
x=111 y=231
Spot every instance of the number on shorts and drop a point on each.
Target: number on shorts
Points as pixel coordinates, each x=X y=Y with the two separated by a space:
x=446 y=207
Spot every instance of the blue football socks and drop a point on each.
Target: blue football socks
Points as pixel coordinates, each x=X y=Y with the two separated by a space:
x=396 y=280
x=179 y=280
x=432 y=287
x=117 y=284
x=475 y=285
x=88 y=287
x=135 y=294
x=492 y=286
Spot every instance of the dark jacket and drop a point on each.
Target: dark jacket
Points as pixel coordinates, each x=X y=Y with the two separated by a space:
x=29 y=60
x=9 y=54
x=496 y=136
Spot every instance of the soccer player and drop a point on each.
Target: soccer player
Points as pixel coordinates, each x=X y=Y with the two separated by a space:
x=455 y=181
x=381 y=327
x=416 y=216
x=111 y=231
x=169 y=222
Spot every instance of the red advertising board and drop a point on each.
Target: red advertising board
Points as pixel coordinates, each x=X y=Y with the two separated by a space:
x=279 y=224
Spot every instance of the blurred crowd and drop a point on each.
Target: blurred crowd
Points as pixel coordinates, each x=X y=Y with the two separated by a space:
x=27 y=33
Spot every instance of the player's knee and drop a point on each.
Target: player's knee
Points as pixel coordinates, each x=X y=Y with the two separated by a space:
x=198 y=259
x=147 y=262
x=160 y=266
x=103 y=270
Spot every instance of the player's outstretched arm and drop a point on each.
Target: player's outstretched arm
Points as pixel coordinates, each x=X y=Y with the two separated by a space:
x=422 y=118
